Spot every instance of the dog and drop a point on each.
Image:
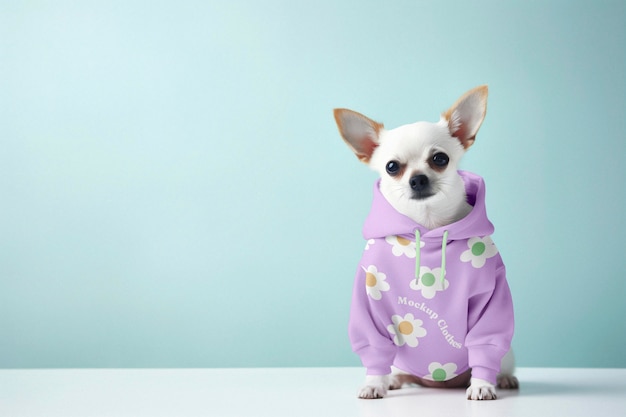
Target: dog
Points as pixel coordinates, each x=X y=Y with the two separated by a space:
x=431 y=304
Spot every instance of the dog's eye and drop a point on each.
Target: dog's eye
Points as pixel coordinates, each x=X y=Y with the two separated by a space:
x=393 y=168
x=440 y=159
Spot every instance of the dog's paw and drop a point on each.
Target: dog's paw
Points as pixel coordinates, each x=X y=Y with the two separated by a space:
x=481 y=390
x=508 y=382
x=375 y=387
x=371 y=392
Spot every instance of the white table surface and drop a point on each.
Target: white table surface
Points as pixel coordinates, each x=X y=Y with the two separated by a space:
x=294 y=392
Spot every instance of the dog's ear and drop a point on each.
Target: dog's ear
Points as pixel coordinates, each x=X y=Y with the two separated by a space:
x=467 y=114
x=359 y=132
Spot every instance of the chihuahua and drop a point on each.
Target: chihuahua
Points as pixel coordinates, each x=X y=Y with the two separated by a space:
x=450 y=323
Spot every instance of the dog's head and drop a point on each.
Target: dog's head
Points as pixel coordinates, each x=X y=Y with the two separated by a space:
x=418 y=162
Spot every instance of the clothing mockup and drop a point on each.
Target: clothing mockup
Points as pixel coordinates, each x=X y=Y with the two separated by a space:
x=433 y=303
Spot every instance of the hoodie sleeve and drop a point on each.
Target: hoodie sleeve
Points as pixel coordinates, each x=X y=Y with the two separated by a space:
x=368 y=336
x=490 y=324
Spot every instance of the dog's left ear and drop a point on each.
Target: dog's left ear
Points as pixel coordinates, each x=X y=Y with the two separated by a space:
x=467 y=114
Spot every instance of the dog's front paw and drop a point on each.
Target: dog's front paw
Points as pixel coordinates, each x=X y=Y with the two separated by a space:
x=375 y=387
x=371 y=392
x=481 y=390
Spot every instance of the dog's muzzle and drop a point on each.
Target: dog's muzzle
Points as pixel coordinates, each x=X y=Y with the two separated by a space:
x=420 y=184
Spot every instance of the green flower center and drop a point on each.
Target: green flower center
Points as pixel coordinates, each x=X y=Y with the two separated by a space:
x=428 y=279
x=439 y=375
x=478 y=248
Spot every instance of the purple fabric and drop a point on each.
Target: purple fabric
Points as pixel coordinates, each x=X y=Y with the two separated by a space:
x=432 y=328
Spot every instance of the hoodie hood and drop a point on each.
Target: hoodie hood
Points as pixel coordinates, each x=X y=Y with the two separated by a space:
x=383 y=220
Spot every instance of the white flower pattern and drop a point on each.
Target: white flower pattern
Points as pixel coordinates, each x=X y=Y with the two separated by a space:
x=375 y=282
x=429 y=282
x=439 y=372
x=480 y=249
x=406 y=330
x=402 y=247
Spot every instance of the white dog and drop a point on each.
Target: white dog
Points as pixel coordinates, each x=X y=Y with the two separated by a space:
x=430 y=295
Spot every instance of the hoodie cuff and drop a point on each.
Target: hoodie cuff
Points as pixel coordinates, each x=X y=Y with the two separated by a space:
x=485 y=361
x=377 y=361
x=485 y=374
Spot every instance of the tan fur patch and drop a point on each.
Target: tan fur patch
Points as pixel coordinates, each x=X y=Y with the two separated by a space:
x=434 y=167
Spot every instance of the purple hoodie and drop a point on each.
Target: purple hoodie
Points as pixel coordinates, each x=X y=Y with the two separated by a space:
x=433 y=310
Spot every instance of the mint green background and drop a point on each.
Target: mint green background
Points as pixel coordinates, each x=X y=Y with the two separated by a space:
x=174 y=192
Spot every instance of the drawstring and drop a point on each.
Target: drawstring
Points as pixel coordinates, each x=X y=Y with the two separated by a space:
x=417 y=255
x=444 y=244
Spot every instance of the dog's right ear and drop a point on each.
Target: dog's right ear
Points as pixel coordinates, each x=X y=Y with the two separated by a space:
x=360 y=133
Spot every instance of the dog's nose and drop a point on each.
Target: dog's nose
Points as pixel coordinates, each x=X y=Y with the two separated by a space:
x=418 y=182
